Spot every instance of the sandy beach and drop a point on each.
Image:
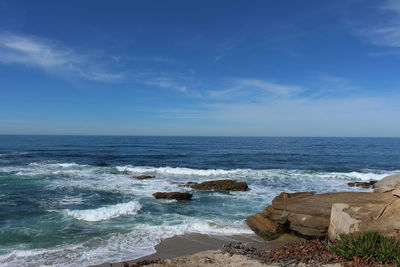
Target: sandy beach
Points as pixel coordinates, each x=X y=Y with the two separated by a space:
x=189 y=244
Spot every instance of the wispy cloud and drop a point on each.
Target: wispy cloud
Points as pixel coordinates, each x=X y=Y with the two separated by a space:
x=255 y=88
x=51 y=57
x=166 y=82
x=351 y=116
x=386 y=31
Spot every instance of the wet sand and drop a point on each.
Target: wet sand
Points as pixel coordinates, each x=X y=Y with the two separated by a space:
x=189 y=244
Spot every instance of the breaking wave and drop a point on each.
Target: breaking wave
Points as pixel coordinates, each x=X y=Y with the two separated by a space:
x=105 y=213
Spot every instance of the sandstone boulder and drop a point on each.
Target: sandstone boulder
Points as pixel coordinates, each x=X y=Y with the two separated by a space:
x=382 y=216
x=309 y=214
x=387 y=184
x=263 y=226
x=173 y=195
x=219 y=185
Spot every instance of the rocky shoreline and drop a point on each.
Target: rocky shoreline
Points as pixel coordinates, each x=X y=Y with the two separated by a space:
x=319 y=218
x=331 y=214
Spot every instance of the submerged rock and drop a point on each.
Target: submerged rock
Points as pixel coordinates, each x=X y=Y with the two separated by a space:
x=144 y=177
x=219 y=185
x=362 y=184
x=173 y=195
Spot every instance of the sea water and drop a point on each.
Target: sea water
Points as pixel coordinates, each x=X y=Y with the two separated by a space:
x=72 y=201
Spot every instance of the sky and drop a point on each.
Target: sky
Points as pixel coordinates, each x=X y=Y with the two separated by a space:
x=208 y=68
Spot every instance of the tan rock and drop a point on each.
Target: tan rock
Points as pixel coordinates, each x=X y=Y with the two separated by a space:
x=341 y=222
x=383 y=217
x=387 y=184
x=264 y=226
x=396 y=191
x=310 y=215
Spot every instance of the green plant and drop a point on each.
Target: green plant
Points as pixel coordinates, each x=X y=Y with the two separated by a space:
x=367 y=246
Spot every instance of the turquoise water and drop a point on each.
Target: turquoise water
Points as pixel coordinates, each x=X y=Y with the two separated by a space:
x=72 y=201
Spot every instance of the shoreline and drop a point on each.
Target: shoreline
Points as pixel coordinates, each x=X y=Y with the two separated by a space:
x=192 y=243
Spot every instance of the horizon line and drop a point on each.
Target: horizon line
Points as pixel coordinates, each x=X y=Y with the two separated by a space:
x=245 y=136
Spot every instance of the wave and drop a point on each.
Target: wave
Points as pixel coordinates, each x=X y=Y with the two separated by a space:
x=105 y=213
x=174 y=171
x=254 y=173
x=82 y=170
x=56 y=165
x=119 y=247
x=210 y=227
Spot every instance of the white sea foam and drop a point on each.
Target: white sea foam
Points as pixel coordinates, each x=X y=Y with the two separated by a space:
x=69 y=200
x=57 y=165
x=174 y=171
x=105 y=213
x=81 y=170
x=252 y=173
x=210 y=227
x=119 y=247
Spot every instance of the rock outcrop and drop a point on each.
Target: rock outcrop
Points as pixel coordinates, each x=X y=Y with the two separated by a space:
x=389 y=183
x=381 y=215
x=369 y=184
x=144 y=177
x=219 y=185
x=309 y=214
x=173 y=195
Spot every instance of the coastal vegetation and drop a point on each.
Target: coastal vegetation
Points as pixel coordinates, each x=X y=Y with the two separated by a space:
x=369 y=246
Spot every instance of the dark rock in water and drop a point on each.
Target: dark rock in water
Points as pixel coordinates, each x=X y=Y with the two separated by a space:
x=219 y=185
x=362 y=184
x=143 y=177
x=102 y=164
x=173 y=195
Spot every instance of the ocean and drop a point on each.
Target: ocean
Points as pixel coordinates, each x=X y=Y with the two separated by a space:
x=72 y=201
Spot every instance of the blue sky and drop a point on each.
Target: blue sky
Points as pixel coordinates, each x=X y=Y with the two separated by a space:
x=253 y=68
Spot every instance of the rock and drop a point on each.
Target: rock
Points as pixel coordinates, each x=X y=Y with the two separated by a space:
x=387 y=184
x=219 y=185
x=143 y=177
x=173 y=195
x=396 y=192
x=263 y=226
x=381 y=216
x=362 y=184
x=309 y=214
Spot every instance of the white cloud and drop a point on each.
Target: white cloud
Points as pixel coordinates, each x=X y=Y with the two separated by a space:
x=166 y=82
x=255 y=88
x=50 y=57
x=356 y=116
x=386 y=32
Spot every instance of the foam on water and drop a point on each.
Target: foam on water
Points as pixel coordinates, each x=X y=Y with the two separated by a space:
x=250 y=173
x=119 y=247
x=70 y=168
x=55 y=165
x=105 y=213
x=72 y=177
x=174 y=171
